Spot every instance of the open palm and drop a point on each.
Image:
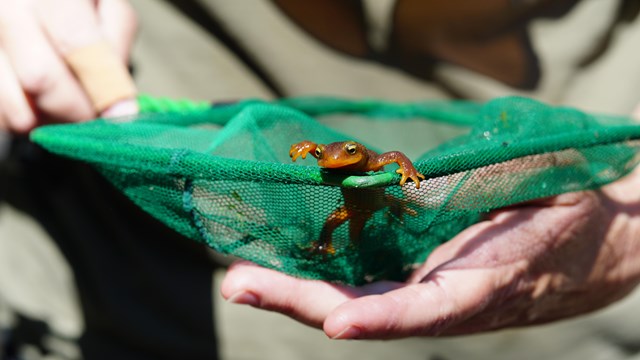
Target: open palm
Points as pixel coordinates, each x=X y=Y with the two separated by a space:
x=533 y=263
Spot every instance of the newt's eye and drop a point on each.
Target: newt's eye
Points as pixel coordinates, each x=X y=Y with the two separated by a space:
x=350 y=148
x=318 y=152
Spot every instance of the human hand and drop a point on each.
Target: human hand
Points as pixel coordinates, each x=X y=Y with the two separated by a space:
x=636 y=112
x=35 y=37
x=528 y=264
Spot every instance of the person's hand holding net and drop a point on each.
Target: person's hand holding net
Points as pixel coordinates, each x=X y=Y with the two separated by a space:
x=533 y=263
x=50 y=53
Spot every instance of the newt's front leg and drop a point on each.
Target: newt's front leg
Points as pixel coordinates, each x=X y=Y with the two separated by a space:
x=302 y=149
x=406 y=166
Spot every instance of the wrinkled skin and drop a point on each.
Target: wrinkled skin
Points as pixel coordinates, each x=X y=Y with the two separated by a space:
x=528 y=264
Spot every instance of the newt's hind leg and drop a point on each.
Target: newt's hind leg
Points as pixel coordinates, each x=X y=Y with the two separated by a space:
x=357 y=219
x=356 y=224
x=399 y=207
x=324 y=244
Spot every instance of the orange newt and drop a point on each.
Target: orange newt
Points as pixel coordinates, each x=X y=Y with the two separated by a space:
x=358 y=206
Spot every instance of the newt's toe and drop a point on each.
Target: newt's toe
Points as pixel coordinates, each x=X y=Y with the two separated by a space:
x=322 y=248
x=413 y=175
x=417 y=178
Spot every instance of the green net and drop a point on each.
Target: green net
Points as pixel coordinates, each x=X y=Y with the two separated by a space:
x=222 y=174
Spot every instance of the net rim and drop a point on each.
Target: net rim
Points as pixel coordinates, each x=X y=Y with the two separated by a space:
x=175 y=163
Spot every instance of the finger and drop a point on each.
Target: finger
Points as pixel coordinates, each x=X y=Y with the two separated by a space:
x=15 y=112
x=39 y=69
x=304 y=300
x=636 y=113
x=70 y=24
x=308 y=301
x=90 y=52
x=118 y=24
x=429 y=308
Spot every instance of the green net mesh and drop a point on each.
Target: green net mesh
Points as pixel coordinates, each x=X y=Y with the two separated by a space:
x=222 y=174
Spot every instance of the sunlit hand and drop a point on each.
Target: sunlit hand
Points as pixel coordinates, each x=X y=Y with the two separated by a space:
x=529 y=264
x=35 y=35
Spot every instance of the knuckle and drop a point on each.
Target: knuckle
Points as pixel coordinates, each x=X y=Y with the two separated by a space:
x=37 y=80
x=70 y=109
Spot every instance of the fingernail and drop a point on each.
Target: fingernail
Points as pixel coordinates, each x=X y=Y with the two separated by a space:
x=350 y=332
x=121 y=108
x=244 y=298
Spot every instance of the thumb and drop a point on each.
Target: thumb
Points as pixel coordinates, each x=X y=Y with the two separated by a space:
x=448 y=298
x=118 y=24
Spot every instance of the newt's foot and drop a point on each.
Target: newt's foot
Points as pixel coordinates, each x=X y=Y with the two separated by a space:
x=410 y=173
x=301 y=149
x=322 y=248
x=401 y=207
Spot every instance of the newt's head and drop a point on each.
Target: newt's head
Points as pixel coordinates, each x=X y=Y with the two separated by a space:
x=347 y=154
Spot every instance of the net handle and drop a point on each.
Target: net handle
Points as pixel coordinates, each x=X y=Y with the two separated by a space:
x=463 y=113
